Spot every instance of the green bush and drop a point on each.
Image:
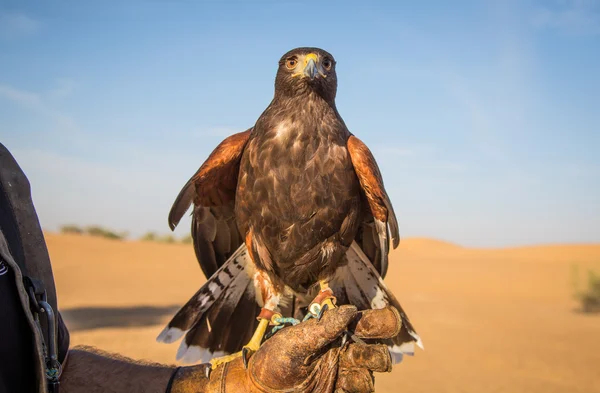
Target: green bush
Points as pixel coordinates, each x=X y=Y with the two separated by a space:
x=154 y=237
x=166 y=239
x=71 y=229
x=149 y=237
x=589 y=298
x=105 y=233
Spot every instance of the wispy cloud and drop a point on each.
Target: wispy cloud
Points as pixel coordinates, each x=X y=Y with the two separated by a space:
x=16 y=25
x=20 y=96
x=55 y=126
x=571 y=17
x=38 y=103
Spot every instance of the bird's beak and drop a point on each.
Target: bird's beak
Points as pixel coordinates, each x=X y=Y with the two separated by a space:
x=310 y=66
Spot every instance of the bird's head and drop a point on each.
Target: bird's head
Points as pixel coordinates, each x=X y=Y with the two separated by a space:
x=304 y=70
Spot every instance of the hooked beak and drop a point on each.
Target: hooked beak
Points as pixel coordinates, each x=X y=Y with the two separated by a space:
x=310 y=66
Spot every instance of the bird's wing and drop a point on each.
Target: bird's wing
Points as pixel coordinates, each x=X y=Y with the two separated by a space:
x=358 y=283
x=212 y=191
x=379 y=220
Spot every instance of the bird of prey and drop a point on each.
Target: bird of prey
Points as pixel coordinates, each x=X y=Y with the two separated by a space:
x=289 y=217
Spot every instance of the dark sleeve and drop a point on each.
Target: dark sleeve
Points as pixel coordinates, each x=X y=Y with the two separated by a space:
x=17 y=373
x=21 y=228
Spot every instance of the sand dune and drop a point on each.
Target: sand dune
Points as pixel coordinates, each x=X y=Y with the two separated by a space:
x=500 y=320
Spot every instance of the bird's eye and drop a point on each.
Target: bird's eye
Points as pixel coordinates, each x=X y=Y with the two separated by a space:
x=291 y=63
x=327 y=64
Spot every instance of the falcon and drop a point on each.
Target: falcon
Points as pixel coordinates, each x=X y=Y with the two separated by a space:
x=290 y=217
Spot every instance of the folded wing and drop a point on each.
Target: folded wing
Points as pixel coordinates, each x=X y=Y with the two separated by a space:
x=212 y=191
x=379 y=220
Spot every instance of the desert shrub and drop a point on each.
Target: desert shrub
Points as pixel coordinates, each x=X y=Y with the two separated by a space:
x=166 y=239
x=154 y=237
x=71 y=229
x=105 y=233
x=149 y=237
x=590 y=297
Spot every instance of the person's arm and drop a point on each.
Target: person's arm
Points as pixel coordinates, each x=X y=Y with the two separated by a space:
x=90 y=370
x=308 y=358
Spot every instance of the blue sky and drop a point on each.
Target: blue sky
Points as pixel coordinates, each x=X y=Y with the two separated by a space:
x=484 y=116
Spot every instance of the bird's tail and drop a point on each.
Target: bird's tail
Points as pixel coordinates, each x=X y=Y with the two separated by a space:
x=358 y=283
x=221 y=317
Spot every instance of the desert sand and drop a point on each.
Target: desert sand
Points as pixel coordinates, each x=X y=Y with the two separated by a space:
x=492 y=320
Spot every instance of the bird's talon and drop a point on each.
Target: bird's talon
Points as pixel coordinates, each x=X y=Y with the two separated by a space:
x=246 y=353
x=354 y=338
x=324 y=308
x=207 y=371
x=344 y=340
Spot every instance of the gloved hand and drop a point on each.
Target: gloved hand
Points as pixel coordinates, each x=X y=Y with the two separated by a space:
x=311 y=357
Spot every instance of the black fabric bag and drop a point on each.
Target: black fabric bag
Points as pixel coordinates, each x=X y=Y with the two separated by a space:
x=21 y=233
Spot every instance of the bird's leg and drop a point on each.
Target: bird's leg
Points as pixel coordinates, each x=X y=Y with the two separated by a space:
x=268 y=316
x=323 y=301
x=265 y=318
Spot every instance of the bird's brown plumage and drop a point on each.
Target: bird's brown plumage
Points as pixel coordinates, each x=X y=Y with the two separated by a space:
x=297 y=188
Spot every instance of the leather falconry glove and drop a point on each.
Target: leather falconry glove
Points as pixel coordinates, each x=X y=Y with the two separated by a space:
x=311 y=357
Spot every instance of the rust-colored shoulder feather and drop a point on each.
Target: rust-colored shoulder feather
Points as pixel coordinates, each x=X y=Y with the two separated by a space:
x=215 y=182
x=371 y=181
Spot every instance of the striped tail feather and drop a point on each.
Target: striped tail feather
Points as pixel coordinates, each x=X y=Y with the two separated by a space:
x=358 y=283
x=221 y=317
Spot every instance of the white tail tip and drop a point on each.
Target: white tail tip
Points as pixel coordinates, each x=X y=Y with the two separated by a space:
x=195 y=354
x=169 y=335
